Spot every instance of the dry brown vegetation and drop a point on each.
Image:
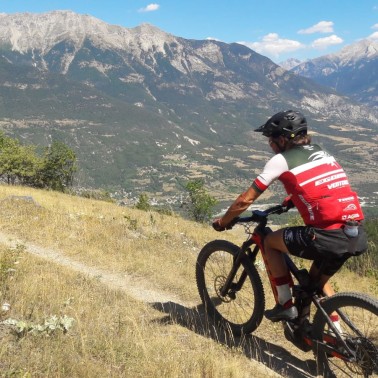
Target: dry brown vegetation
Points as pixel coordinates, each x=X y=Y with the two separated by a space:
x=113 y=334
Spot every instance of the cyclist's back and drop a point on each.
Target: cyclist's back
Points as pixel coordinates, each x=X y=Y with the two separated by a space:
x=318 y=186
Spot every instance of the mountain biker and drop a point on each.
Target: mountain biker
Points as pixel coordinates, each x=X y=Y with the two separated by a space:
x=318 y=187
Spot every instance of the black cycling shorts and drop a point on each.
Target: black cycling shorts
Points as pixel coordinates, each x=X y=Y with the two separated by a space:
x=329 y=249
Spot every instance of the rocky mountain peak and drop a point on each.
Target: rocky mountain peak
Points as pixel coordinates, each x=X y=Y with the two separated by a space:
x=351 y=71
x=29 y=31
x=149 y=37
x=362 y=50
x=365 y=49
x=290 y=63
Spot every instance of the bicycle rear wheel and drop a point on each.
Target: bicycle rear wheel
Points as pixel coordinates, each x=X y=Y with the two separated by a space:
x=358 y=316
x=242 y=308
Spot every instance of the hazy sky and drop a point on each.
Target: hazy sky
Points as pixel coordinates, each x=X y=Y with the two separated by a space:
x=279 y=29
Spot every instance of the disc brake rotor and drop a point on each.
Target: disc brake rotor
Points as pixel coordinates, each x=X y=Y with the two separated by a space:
x=218 y=286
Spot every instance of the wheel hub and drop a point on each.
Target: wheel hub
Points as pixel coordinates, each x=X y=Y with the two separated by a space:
x=366 y=355
x=218 y=286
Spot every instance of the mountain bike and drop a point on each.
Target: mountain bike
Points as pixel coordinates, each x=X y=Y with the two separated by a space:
x=232 y=292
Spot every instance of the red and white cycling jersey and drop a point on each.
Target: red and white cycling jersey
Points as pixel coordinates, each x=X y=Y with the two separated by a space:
x=318 y=186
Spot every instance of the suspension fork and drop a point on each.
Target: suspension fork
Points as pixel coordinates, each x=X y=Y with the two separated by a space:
x=236 y=265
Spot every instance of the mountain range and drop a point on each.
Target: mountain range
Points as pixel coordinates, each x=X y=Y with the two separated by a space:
x=353 y=71
x=146 y=110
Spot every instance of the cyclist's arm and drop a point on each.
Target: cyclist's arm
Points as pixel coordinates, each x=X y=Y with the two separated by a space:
x=272 y=170
x=241 y=204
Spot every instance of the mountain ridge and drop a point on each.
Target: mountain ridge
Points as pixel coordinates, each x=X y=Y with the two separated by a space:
x=163 y=110
x=351 y=71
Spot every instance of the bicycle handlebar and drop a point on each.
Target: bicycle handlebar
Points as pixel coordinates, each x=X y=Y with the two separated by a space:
x=260 y=215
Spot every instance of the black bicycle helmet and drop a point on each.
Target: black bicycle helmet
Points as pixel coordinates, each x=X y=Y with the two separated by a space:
x=289 y=124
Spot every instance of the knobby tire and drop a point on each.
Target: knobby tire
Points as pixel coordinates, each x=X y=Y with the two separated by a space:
x=362 y=310
x=240 y=311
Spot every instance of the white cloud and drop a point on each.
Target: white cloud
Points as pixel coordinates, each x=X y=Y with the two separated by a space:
x=323 y=43
x=320 y=27
x=373 y=36
x=375 y=26
x=271 y=44
x=150 y=8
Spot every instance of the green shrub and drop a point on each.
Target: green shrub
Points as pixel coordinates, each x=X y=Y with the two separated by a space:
x=143 y=203
x=21 y=164
x=200 y=204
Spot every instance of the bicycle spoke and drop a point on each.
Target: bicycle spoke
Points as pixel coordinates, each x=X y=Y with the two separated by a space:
x=239 y=304
x=237 y=310
x=358 y=319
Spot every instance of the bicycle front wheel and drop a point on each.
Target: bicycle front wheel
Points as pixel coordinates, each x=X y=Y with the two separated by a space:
x=241 y=309
x=358 y=316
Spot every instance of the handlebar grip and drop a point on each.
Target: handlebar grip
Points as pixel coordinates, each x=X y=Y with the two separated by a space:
x=232 y=223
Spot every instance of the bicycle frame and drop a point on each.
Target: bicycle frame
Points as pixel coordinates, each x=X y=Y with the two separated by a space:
x=257 y=238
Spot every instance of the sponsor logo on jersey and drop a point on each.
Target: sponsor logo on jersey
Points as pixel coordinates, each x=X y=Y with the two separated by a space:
x=320 y=175
x=350 y=207
x=346 y=199
x=308 y=206
x=351 y=216
x=338 y=184
x=329 y=178
x=318 y=155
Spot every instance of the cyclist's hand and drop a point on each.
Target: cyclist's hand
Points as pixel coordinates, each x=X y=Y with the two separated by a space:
x=217 y=225
x=288 y=203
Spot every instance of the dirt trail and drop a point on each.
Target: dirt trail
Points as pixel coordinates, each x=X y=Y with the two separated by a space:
x=274 y=358
x=135 y=287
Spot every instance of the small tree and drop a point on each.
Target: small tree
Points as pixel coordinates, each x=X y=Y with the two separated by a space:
x=143 y=202
x=201 y=204
x=18 y=163
x=59 y=165
x=21 y=164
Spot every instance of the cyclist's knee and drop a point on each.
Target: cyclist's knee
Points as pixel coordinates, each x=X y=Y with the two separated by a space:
x=274 y=240
x=329 y=267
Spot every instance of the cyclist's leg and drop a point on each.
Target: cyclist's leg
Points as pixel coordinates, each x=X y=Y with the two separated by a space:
x=293 y=240
x=274 y=247
x=323 y=271
x=323 y=280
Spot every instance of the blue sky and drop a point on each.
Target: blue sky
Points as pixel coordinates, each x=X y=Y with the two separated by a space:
x=278 y=29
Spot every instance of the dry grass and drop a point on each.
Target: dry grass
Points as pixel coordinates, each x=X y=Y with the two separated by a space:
x=114 y=238
x=113 y=334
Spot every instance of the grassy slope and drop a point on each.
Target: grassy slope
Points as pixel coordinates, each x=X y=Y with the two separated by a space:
x=113 y=334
